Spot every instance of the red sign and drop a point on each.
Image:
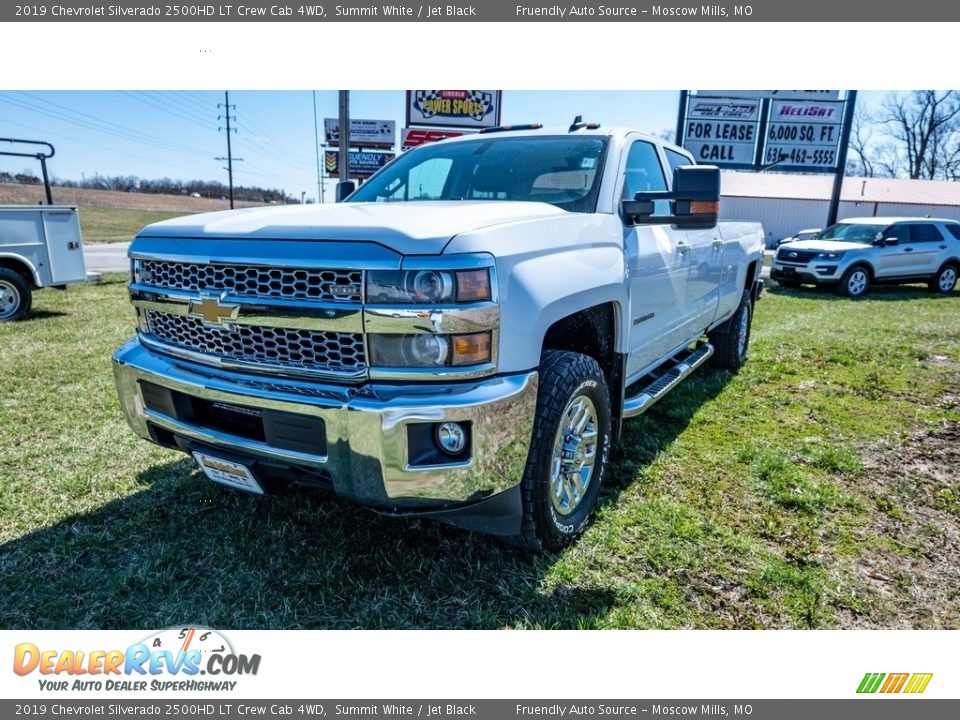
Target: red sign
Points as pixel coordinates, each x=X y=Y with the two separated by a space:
x=413 y=137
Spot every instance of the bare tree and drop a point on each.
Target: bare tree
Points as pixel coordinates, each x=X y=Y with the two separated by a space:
x=925 y=124
x=861 y=160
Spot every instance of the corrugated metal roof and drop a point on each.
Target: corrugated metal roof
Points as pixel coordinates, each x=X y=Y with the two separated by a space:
x=855 y=189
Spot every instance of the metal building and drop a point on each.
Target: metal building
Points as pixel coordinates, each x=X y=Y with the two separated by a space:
x=786 y=203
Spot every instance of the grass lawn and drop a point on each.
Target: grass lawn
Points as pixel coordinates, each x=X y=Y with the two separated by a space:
x=109 y=225
x=816 y=488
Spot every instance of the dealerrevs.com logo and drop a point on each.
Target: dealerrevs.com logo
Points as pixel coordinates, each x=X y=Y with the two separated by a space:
x=173 y=659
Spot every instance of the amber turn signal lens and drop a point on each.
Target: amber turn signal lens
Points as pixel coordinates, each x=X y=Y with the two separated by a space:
x=471 y=349
x=700 y=206
x=473 y=285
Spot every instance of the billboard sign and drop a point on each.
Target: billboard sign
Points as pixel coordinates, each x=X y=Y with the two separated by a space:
x=476 y=109
x=803 y=134
x=420 y=136
x=721 y=132
x=363 y=133
x=361 y=163
x=772 y=94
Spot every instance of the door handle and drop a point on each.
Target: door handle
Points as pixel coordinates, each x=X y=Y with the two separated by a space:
x=682 y=248
x=717 y=244
x=908 y=249
x=943 y=247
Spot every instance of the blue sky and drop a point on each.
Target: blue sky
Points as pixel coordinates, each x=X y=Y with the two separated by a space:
x=174 y=134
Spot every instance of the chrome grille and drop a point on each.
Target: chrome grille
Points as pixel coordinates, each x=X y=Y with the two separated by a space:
x=257 y=282
x=279 y=347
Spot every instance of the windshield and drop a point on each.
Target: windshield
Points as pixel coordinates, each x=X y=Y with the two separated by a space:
x=852 y=232
x=563 y=171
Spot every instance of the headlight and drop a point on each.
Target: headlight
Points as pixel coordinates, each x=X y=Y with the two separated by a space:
x=427 y=350
x=830 y=255
x=427 y=287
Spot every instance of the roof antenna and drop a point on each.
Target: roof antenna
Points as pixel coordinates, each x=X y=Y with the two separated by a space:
x=577 y=123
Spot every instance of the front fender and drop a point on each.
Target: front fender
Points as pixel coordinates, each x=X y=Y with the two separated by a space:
x=544 y=289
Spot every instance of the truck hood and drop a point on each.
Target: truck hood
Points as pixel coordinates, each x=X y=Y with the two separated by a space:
x=409 y=228
x=824 y=246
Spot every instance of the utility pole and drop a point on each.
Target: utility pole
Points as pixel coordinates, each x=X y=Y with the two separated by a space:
x=229 y=158
x=316 y=146
x=344 y=135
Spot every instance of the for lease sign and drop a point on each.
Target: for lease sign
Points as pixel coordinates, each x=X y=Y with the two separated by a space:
x=722 y=131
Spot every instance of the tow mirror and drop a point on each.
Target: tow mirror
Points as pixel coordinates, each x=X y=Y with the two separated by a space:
x=345 y=188
x=694 y=200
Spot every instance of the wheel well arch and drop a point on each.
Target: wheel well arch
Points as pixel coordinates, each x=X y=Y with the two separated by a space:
x=751 y=276
x=21 y=267
x=593 y=331
x=866 y=265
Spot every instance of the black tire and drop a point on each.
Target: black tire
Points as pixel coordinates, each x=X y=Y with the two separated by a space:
x=945 y=280
x=789 y=284
x=855 y=282
x=731 y=341
x=15 y=296
x=564 y=378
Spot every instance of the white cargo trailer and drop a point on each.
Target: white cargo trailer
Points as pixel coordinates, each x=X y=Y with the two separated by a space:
x=40 y=246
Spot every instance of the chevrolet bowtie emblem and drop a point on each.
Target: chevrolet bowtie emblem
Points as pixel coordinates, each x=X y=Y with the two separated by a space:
x=212 y=311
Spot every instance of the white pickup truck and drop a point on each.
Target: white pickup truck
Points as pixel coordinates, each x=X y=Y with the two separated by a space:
x=40 y=246
x=460 y=339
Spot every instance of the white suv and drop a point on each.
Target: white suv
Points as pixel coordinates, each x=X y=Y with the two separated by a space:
x=858 y=252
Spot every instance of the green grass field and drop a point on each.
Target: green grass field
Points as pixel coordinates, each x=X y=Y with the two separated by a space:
x=110 y=225
x=816 y=488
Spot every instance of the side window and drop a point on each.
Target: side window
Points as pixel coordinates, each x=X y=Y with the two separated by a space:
x=900 y=232
x=676 y=160
x=643 y=171
x=954 y=229
x=925 y=232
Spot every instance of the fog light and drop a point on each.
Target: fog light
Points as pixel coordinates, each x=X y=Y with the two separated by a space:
x=451 y=437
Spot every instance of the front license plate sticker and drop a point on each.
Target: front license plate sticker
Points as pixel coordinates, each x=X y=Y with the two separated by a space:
x=227 y=472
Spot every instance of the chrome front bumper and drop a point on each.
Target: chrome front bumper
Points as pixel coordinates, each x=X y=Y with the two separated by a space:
x=366 y=455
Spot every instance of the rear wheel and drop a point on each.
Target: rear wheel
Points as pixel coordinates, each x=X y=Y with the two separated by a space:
x=945 y=280
x=731 y=340
x=15 y=296
x=855 y=282
x=569 y=451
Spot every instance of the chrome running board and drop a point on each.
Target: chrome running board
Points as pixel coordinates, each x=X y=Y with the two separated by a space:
x=682 y=365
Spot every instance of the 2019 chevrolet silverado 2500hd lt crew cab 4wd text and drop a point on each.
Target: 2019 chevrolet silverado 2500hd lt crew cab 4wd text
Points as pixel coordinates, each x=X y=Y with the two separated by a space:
x=461 y=338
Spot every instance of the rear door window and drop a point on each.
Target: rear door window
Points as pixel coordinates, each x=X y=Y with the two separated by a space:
x=925 y=232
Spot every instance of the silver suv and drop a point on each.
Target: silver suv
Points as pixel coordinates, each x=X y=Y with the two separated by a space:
x=858 y=252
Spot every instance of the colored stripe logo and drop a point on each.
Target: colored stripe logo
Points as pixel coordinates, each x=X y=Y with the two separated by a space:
x=913 y=683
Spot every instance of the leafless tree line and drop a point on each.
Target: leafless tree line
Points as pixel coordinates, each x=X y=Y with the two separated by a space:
x=914 y=135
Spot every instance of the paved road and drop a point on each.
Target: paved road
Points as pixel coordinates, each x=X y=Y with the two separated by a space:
x=106 y=257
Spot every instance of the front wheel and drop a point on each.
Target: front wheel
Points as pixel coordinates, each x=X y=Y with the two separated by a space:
x=569 y=451
x=945 y=280
x=855 y=282
x=15 y=296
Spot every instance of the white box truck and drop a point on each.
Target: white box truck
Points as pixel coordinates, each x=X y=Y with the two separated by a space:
x=40 y=246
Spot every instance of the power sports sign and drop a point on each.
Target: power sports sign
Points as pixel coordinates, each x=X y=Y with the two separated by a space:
x=751 y=130
x=474 y=109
